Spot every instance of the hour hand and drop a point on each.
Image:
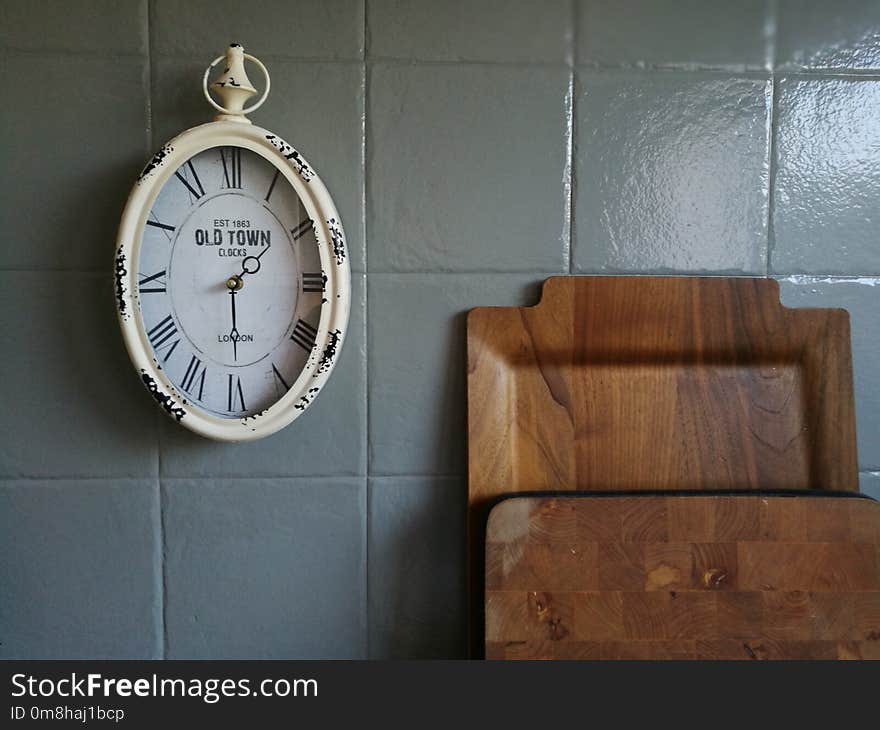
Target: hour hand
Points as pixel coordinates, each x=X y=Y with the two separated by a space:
x=233 y=333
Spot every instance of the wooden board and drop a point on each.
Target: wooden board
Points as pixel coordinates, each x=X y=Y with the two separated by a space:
x=654 y=383
x=659 y=383
x=683 y=577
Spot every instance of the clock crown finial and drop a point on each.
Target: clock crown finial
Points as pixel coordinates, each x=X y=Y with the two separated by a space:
x=233 y=86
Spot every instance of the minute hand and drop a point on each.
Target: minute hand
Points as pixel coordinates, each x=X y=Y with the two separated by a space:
x=251 y=264
x=233 y=334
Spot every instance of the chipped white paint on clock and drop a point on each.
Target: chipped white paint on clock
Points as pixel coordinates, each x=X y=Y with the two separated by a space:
x=232 y=278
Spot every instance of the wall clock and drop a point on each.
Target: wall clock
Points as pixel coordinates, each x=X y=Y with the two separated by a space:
x=232 y=277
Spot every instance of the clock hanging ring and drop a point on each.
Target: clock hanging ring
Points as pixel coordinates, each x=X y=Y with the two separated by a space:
x=232 y=274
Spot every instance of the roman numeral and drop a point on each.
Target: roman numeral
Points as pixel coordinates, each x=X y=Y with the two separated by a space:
x=158 y=281
x=196 y=192
x=231 y=159
x=304 y=335
x=272 y=185
x=235 y=393
x=280 y=378
x=160 y=335
x=164 y=227
x=190 y=377
x=162 y=332
x=301 y=230
x=313 y=282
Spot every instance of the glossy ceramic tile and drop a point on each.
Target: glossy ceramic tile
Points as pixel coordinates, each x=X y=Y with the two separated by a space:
x=265 y=568
x=316 y=107
x=79 y=127
x=74 y=405
x=457 y=154
x=470 y=30
x=671 y=172
x=417 y=356
x=106 y=27
x=869 y=482
x=466 y=168
x=330 y=438
x=861 y=297
x=842 y=35
x=81 y=576
x=826 y=198
x=305 y=29
x=674 y=33
x=417 y=568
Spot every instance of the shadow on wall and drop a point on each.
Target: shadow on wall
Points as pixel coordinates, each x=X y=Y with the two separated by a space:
x=421 y=605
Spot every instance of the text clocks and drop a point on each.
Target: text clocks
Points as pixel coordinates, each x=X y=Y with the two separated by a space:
x=232 y=277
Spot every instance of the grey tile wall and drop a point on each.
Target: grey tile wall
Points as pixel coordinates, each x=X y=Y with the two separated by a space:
x=683 y=34
x=473 y=149
x=268 y=568
x=68 y=109
x=455 y=178
x=81 y=569
x=458 y=30
x=417 y=362
x=827 y=192
x=869 y=482
x=417 y=585
x=650 y=147
x=836 y=36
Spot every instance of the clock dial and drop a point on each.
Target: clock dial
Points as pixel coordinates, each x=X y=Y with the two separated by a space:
x=230 y=282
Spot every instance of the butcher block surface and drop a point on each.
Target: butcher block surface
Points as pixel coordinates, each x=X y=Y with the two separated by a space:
x=671 y=576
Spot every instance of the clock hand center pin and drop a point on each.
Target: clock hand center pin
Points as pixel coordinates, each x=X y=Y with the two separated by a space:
x=236 y=281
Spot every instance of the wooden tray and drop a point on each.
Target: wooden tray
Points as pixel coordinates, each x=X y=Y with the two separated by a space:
x=683 y=577
x=655 y=383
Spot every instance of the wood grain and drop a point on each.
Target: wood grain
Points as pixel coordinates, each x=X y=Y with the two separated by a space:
x=722 y=588
x=635 y=383
x=659 y=383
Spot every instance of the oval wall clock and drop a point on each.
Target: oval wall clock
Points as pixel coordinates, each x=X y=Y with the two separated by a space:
x=232 y=277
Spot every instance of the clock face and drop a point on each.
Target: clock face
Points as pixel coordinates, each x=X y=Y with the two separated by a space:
x=229 y=282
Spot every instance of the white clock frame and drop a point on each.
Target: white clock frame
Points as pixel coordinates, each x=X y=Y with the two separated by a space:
x=334 y=263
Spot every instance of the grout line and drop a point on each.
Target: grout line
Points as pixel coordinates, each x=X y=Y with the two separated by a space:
x=568 y=175
x=769 y=235
x=214 y=478
x=149 y=5
x=770 y=33
x=68 y=53
x=52 y=270
x=366 y=32
x=158 y=425
x=74 y=478
x=415 y=475
x=163 y=545
x=571 y=111
x=732 y=70
x=158 y=607
x=573 y=38
x=467 y=272
x=367 y=493
x=829 y=73
x=392 y=61
x=829 y=279
x=837 y=276
x=771 y=24
x=365 y=76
